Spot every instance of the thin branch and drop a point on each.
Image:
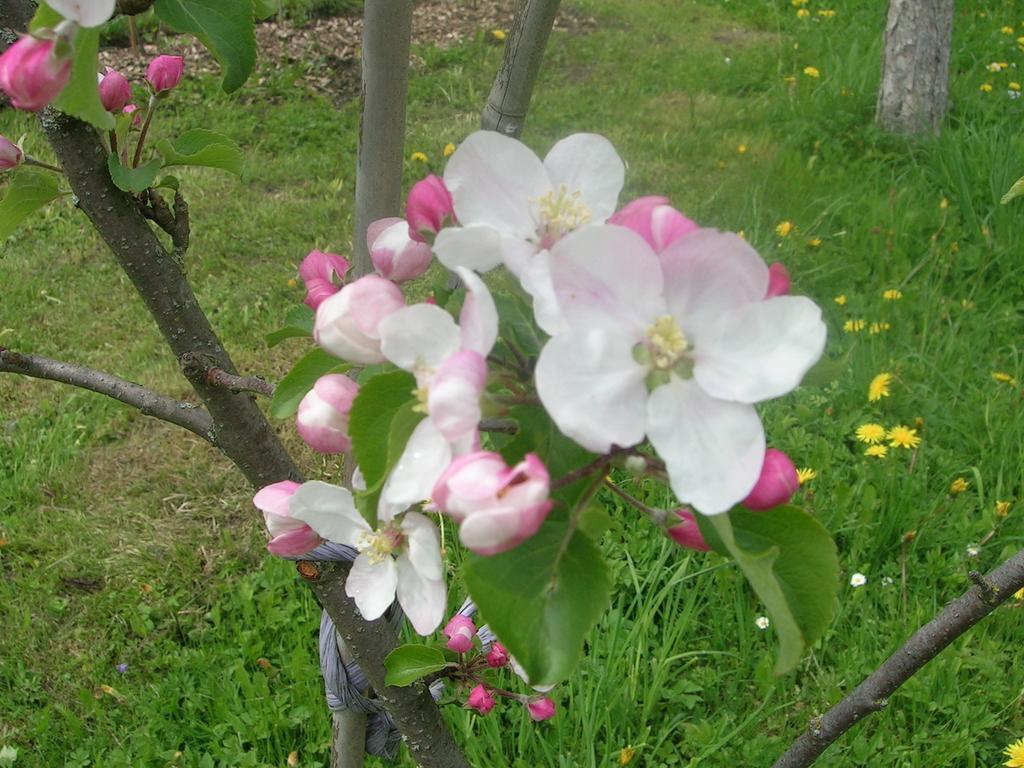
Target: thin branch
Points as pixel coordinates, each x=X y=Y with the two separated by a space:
x=503 y=426
x=413 y=710
x=193 y=365
x=873 y=694
x=509 y=100
x=148 y=402
x=387 y=31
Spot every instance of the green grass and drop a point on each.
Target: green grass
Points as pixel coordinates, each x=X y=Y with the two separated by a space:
x=128 y=541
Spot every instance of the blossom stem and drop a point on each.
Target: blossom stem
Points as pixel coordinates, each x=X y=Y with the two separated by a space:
x=597 y=465
x=145 y=131
x=494 y=689
x=40 y=164
x=658 y=516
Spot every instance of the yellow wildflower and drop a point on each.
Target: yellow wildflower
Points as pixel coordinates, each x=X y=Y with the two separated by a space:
x=805 y=474
x=870 y=433
x=1015 y=753
x=1019 y=594
x=892 y=294
x=826 y=13
x=498 y=34
x=1002 y=508
x=783 y=228
x=292 y=282
x=814 y=242
x=1020 y=41
x=798 y=3
x=879 y=387
x=626 y=754
x=1014 y=86
x=854 y=326
x=958 y=486
x=812 y=72
x=840 y=299
x=1004 y=378
x=418 y=157
x=985 y=88
x=943 y=204
x=449 y=148
x=742 y=149
x=879 y=327
x=803 y=13
x=876 y=451
x=789 y=80
x=903 y=437
x=1007 y=30
x=293 y=759
x=995 y=66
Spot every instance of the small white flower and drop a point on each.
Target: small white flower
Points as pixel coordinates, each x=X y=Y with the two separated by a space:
x=858 y=580
x=1013 y=94
x=887 y=581
x=973 y=550
x=762 y=622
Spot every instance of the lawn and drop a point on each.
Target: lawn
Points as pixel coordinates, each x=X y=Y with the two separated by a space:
x=126 y=541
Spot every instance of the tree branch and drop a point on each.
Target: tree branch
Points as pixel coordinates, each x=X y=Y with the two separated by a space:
x=148 y=402
x=412 y=708
x=192 y=365
x=509 y=100
x=873 y=694
x=387 y=31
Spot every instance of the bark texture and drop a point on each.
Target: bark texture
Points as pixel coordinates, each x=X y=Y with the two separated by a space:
x=915 y=66
x=509 y=99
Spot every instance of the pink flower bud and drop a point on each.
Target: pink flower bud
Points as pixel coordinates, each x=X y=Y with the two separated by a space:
x=541 y=708
x=11 y=155
x=31 y=74
x=497 y=506
x=777 y=483
x=164 y=72
x=428 y=207
x=454 y=398
x=655 y=221
x=686 y=533
x=133 y=109
x=322 y=419
x=497 y=656
x=347 y=323
x=115 y=91
x=460 y=631
x=323 y=274
x=395 y=255
x=778 y=280
x=480 y=700
x=290 y=537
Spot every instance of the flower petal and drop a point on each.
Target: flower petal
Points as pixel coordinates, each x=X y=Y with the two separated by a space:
x=328 y=510
x=88 y=13
x=761 y=350
x=478 y=320
x=593 y=388
x=713 y=449
x=372 y=585
x=492 y=179
x=418 y=336
x=424 y=545
x=423 y=600
x=607 y=277
x=476 y=247
x=454 y=398
x=588 y=163
x=536 y=281
x=708 y=273
x=425 y=457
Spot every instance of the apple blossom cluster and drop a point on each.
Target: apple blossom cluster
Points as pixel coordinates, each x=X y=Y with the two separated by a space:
x=656 y=338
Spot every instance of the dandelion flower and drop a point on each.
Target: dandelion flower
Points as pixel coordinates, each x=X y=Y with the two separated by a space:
x=803 y=13
x=626 y=754
x=876 y=451
x=858 y=580
x=1002 y=508
x=854 y=326
x=805 y=474
x=840 y=299
x=812 y=72
x=985 y=87
x=870 y=433
x=826 y=13
x=448 y=150
x=292 y=282
x=876 y=328
x=498 y=34
x=814 y=242
x=903 y=437
x=958 y=486
x=995 y=66
x=879 y=387
x=943 y=204
x=762 y=622
x=1007 y=30
x=892 y=294
x=742 y=149
x=1019 y=594
x=1004 y=378
x=418 y=157
x=783 y=228
x=798 y=3
x=1014 y=86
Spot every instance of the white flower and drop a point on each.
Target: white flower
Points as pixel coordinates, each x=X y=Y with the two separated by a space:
x=858 y=580
x=401 y=556
x=511 y=205
x=88 y=13
x=973 y=550
x=677 y=347
x=762 y=622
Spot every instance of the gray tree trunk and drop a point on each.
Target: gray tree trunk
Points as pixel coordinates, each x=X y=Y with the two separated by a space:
x=915 y=66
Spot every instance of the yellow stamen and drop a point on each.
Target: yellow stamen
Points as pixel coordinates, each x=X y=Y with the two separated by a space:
x=666 y=342
x=561 y=211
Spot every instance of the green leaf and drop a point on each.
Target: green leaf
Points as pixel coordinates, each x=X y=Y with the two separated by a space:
x=369 y=422
x=299 y=322
x=264 y=9
x=293 y=387
x=827 y=370
x=169 y=182
x=225 y=27
x=133 y=179
x=538 y=434
x=516 y=323
x=403 y=422
x=790 y=561
x=28 y=191
x=202 y=147
x=1013 y=192
x=81 y=96
x=542 y=598
x=408 y=663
